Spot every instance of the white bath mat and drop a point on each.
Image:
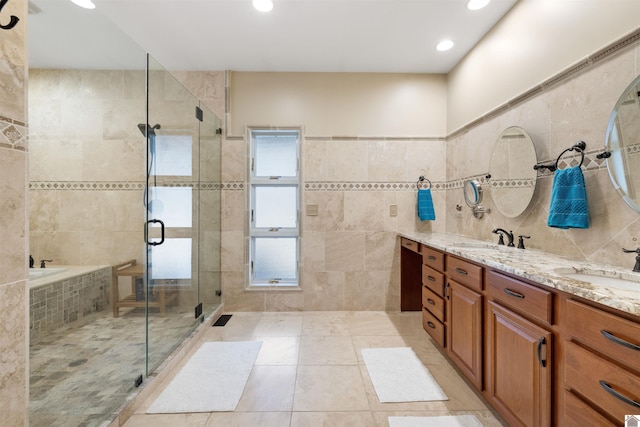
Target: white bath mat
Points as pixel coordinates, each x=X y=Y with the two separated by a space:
x=399 y=376
x=443 y=421
x=212 y=380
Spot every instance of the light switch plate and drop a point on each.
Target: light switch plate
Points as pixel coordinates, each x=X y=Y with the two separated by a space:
x=393 y=210
x=312 y=210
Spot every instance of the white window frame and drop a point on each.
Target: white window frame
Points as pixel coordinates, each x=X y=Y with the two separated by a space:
x=261 y=232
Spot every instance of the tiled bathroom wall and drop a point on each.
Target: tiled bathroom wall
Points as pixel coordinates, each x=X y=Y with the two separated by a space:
x=14 y=339
x=346 y=250
x=571 y=109
x=347 y=247
x=86 y=151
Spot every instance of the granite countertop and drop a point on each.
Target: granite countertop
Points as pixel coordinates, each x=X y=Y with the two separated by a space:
x=541 y=267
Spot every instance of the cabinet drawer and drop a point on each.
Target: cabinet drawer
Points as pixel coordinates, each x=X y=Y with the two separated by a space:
x=533 y=301
x=601 y=382
x=433 y=279
x=579 y=414
x=432 y=258
x=410 y=244
x=464 y=272
x=433 y=327
x=433 y=302
x=611 y=335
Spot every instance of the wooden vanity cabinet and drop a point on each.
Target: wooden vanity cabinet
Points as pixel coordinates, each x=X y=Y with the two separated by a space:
x=519 y=351
x=540 y=356
x=464 y=325
x=602 y=363
x=410 y=275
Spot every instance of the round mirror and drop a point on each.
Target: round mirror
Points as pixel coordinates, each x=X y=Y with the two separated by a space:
x=622 y=141
x=513 y=179
x=472 y=192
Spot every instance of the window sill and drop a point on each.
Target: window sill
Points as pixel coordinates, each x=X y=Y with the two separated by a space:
x=273 y=287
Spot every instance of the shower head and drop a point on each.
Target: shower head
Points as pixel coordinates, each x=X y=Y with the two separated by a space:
x=150 y=130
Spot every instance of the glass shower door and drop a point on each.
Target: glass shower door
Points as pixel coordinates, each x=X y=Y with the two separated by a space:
x=171 y=282
x=209 y=212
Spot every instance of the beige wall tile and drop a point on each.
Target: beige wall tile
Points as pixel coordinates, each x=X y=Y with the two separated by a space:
x=14 y=393
x=344 y=251
x=577 y=109
x=344 y=160
x=13 y=206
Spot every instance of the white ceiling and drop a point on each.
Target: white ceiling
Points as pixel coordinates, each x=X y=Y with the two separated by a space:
x=396 y=36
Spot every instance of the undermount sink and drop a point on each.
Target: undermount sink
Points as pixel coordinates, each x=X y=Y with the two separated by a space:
x=474 y=245
x=616 y=280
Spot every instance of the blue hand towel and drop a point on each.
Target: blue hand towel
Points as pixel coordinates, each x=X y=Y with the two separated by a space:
x=425 y=206
x=568 y=208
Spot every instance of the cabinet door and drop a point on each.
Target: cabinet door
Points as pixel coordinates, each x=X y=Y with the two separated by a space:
x=519 y=368
x=464 y=330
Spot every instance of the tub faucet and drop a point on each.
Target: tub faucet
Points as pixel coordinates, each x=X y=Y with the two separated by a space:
x=42 y=262
x=636 y=268
x=502 y=232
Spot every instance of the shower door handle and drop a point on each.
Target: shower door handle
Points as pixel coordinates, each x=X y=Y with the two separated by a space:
x=146 y=232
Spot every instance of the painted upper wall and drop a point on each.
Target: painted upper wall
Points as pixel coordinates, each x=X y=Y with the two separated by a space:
x=340 y=104
x=534 y=41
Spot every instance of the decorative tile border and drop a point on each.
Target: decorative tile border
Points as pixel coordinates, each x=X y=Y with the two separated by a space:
x=13 y=134
x=591 y=163
x=366 y=186
x=633 y=149
x=512 y=183
x=86 y=185
x=116 y=185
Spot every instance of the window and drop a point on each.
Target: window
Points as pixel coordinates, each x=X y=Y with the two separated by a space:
x=274 y=220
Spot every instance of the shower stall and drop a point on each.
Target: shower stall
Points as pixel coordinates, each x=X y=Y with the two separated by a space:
x=181 y=205
x=124 y=167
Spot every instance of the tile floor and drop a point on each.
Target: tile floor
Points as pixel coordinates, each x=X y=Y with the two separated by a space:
x=310 y=373
x=81 y=374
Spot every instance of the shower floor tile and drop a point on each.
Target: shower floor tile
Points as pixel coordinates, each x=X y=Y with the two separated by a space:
x=81 y=374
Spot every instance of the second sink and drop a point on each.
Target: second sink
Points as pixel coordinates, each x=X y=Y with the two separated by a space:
x=609 y=279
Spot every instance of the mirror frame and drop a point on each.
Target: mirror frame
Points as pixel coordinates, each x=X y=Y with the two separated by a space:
x=616 y=151
x=473 y=197
x=525 y=163
x=472 y=192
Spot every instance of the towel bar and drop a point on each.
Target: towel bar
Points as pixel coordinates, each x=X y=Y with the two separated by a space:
x=420 y=179
x=579 y=147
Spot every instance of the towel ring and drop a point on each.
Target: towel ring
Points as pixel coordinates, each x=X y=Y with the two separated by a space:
x=422 y=178
x=579 y=147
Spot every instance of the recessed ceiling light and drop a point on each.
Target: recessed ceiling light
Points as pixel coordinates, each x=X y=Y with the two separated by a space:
x=477 y=4
x=444 y=45
x=263 y=5
x=87 y=4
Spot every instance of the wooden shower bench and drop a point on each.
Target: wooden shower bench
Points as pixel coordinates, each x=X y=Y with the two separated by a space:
x=136 y=271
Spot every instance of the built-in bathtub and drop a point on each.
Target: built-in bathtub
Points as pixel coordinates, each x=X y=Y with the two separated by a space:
x=60 y=295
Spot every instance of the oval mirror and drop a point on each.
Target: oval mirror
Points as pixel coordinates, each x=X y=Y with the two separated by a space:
x=622 y=141
x=472 y=193
x=513 y=179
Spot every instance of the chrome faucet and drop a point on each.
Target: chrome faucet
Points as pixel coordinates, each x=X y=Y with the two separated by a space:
x=636 y=268
x=502 y=232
